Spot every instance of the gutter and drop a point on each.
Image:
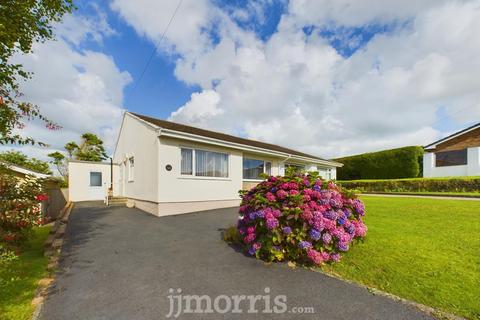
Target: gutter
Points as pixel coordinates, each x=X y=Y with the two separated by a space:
x=233 y=145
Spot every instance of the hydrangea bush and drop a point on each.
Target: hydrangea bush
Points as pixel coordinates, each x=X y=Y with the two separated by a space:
x=19 y=211
x=301 y=218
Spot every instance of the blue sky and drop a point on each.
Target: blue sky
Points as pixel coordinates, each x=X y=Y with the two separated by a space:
x=345 y=77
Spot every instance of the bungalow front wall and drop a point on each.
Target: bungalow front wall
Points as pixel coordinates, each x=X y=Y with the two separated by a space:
x=168 y=172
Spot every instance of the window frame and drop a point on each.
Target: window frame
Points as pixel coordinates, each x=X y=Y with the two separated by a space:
x=264 y=168
x=101 y=179
x=464 y=151
x=194 y=165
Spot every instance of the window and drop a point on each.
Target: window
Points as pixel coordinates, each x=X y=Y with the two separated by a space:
x=131 y=168
x=295 y=167
x=252 y=168
x=205 y=163
x=186 y=165
x=451 y=158
x=95 y=179
x=211 y=164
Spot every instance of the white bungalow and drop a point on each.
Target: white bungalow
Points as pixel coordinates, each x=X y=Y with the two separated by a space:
x=168 y=168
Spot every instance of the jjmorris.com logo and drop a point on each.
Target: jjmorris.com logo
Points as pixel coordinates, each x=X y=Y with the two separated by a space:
x=266 y=303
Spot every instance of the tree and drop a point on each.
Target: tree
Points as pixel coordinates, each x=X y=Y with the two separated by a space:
x=58 y=160
x=90 y=149
x=20 y=159
x=22 y=23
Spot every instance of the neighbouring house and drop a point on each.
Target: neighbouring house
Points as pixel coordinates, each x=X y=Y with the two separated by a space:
x=455 y=155
x=57 y=197
x=168 y=168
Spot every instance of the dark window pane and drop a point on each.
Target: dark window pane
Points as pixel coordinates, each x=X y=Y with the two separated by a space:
x=451 y=158
x=252 y=168
x=295 y=167
x=95 y=179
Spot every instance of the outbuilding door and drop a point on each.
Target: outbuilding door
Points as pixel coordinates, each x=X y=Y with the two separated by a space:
x=97 y=186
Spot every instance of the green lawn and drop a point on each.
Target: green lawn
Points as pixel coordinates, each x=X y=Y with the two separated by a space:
x=428 y=193
x=426 y=250
x=19 y=281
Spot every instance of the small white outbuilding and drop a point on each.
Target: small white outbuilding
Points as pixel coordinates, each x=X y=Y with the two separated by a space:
x=168 y=168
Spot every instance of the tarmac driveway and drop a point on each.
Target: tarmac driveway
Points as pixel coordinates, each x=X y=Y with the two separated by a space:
x=119 y=263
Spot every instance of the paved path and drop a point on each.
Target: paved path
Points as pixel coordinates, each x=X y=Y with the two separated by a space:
x=119 y=263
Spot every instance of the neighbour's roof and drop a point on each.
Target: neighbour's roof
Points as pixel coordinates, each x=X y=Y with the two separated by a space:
x=222 y=136
x=22 y=170
x=456 y=134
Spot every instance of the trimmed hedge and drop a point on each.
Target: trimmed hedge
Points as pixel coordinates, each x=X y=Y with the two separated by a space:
x=466 y=184
x=406 y=162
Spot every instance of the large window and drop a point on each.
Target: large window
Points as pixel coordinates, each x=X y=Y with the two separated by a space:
x=451 y=158
x=95 y=179
x=203 y=163
x=252 y=168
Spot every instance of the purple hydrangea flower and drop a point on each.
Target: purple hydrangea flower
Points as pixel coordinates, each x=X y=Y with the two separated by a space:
x=260 y=214
x=304 y=245
x=315 y=234
x=287 y=230
x=342 y=246
x=316 y=187
x=272 y=223
x=335 y=257
x=351 y=229
x=330 y=214
x=326 y=238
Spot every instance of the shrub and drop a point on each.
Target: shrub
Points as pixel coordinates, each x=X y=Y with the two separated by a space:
x=389 y=164
x=19 y=212
x=299 y=218
x=414 y=185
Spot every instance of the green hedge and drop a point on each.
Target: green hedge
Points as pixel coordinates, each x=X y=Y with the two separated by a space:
x=467 y=184
x=404 y=162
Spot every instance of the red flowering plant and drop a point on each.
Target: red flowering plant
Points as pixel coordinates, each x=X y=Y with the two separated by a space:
x=299 y=218
x=20 y=210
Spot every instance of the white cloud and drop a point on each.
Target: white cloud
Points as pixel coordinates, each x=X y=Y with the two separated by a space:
x=80 y=90
x=296 y=90
x=201 y=106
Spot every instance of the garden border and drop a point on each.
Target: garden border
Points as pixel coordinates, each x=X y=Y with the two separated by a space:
x=434 y=312
x=52 y=249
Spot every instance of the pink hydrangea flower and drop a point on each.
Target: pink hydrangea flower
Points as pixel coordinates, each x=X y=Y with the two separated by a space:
x=282 y=194
x=270 y=197
x=314 y=256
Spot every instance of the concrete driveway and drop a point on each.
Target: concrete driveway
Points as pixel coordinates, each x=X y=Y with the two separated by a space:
x=120 y=263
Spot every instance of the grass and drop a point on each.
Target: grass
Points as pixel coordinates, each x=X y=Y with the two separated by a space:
x=18 y=281
x=426 y=250
x=428 y=193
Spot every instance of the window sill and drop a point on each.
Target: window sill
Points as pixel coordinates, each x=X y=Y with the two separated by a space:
x=204 y=178
x=253 y=180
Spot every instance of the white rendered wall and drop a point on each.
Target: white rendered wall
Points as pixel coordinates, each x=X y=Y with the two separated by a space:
x=174 y=187
x=139 y=140
x=472 y=168
x=79 y=188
